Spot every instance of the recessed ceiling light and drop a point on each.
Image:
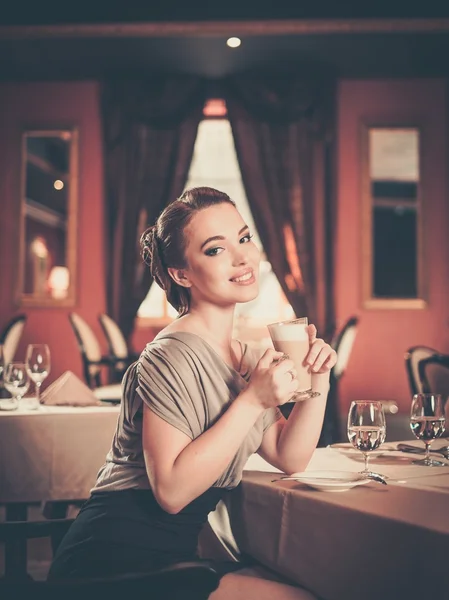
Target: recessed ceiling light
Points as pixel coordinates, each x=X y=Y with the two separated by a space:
x=234 y=42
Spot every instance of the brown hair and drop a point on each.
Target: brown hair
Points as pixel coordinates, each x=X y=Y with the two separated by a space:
x=163 y=244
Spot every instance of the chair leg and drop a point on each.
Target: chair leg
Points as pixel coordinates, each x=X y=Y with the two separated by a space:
x=16 y=550
x=56 y=510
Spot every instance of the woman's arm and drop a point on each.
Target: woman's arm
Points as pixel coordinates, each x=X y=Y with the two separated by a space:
x=289 y=444
x=180 y=469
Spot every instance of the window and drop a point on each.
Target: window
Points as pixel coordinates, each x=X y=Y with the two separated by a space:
x=214 y=164
x=392 y=269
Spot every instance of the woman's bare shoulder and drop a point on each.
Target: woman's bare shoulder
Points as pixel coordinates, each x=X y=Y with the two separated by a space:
x=181 y=325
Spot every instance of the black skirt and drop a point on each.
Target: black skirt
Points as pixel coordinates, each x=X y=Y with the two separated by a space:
x=128 y=532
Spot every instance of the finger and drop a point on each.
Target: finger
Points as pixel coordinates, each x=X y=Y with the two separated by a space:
x=290 y=377
x=322 y=357
x=283 y=366
x=329 y=363
x=315 y=349
x=293 y=388
x=311 y=330
x=268 y=357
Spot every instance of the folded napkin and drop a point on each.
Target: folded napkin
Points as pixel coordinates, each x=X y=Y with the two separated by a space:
x=68 y=389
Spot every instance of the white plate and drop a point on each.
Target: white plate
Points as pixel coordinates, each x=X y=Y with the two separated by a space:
x=348 y=448
x=330 y=481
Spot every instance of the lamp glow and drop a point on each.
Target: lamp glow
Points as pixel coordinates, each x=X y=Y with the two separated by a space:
x=58 y=282
x=234 y=42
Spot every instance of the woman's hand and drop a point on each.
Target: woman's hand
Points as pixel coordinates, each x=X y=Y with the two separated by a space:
x=321 y=357
x=273 y=381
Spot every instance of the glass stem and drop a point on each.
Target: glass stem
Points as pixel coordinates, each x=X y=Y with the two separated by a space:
x=366 y=457
x=427 y=457
x=38 y=393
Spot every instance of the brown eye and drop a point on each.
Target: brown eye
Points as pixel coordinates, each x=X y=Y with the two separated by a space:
x=246 y=238
x=213 y=251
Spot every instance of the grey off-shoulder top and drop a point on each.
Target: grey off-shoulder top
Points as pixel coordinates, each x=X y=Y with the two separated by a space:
x=184 y=381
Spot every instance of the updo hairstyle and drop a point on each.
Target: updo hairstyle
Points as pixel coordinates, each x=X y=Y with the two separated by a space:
x=163 y=244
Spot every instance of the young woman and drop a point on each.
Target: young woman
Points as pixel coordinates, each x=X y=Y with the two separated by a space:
x=195 y=406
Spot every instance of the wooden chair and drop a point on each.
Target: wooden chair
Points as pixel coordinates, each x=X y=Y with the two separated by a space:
x=118 y=347
x=15 y=534
x=342 y=343
x=428 y=373
x=433 y=373
x=181 y=581
x=90 y=350
x=10 y=336
x=413 y=357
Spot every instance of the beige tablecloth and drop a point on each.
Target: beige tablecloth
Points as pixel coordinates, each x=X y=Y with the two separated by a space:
x=372 y=542
x=53 y=453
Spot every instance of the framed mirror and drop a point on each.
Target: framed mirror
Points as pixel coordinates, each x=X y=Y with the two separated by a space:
x=392 y=275
x=48 y=216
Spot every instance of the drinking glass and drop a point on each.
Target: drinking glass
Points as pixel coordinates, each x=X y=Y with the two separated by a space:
x=366 y=428
x=2 y=371
x=17 y=383
x=291 y=338
x=427 y=422
x=38 y=367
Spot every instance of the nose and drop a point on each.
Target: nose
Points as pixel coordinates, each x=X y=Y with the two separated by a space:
x=240 y=256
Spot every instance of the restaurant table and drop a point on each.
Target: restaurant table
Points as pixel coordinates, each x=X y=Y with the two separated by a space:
x=53 y=453
x=371 y=542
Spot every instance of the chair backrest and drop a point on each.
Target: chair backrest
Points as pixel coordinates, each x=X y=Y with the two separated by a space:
x=89 y=347
x=433 y=373
x=114 y=336
x=14 y=533
x=413 y=357
x=181 y=581
x=342 y=343
x=11 y=335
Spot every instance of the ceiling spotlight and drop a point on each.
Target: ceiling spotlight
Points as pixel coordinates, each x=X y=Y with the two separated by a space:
x=58 y=184
x=234 y=42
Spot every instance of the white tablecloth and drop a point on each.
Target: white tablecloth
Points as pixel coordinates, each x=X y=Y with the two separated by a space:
x=53 y=453
x=372 y=542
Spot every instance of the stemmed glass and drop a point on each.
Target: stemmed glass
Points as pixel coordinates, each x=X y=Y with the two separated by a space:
x=2 y=371
x=38 y=367
x=17 y=383
x=366 y=428
x=427 y=422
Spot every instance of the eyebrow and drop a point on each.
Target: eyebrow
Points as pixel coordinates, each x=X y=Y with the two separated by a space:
x=221 y=237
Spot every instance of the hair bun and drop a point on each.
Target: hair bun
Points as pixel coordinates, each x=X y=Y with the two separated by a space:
x=147 y=244
x=150 y=251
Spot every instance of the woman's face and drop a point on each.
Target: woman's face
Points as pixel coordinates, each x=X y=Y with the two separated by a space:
x=222 y=259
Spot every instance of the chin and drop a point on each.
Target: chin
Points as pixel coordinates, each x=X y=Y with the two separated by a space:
x=249 y=294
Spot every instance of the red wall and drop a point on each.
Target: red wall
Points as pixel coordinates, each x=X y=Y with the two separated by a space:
x=53 y=105
x=376 y=367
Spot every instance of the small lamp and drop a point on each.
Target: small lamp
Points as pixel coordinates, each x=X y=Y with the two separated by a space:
x=58 y=282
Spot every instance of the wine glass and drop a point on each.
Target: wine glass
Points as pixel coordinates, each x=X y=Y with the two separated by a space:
x=427 y=422
x=366 y=428
x=2 y=371
x=17 y=383
x=38 y=367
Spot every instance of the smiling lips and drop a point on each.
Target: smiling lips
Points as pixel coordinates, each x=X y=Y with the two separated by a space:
x=247 y=278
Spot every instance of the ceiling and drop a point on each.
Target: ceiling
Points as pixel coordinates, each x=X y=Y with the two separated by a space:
x=37 y=47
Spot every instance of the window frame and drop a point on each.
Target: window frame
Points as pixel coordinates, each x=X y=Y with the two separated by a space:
x=368 y=300
x=257 y=329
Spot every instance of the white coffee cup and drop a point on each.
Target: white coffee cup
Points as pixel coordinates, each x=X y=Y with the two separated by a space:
x=292 y=338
